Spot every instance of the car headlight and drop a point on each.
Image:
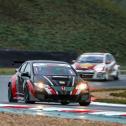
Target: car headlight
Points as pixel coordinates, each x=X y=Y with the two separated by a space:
x=99 y=68
x=40 y=84
x=82 y=86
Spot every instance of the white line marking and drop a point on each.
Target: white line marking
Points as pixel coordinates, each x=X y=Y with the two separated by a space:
x=108 y=104
x=109 y=113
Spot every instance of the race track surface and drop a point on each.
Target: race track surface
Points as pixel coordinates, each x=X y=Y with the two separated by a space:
x=96 y=111
x=93 y=84
x=121 y=83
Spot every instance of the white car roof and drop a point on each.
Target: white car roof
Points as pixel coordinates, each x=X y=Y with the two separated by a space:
x=95 y=53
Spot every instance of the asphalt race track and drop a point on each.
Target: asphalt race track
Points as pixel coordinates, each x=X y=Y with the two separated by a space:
x=96 y=111
x=93 y=84
x=121 y=83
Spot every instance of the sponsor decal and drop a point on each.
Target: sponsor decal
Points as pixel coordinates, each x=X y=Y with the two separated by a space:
x=62 y=88
x=62 y=82
x=87 y=66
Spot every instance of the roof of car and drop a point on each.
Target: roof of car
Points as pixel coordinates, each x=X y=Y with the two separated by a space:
x=95 y=53
x=47 y=61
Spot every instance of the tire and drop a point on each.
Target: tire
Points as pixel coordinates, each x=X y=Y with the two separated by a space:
x=10 y=96
x=83 y=103
x=116 y=77
x=27 y=96
x=64 y=102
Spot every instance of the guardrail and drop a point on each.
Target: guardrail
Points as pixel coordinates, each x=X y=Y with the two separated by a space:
x=14 y=58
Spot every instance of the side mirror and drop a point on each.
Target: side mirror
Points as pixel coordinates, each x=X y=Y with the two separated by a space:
x=16 y=70
x=25 y=74
x=118 y=66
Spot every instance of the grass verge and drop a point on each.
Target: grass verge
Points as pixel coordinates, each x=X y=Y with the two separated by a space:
x=122 y=94
x=7 y=71
x=30 y=120
x=110 y=95
x=63 y=25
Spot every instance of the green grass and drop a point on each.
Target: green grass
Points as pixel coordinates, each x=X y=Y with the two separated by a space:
x=108 y=89
x=77 y=25
x=121 y=3
x=122 y=94
x=119 y=98
x=7 y=71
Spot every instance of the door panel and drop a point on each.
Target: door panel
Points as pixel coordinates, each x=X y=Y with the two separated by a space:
x=110 y=63
x=20 y=79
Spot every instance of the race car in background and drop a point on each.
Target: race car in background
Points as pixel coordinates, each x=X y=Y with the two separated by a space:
x=99 y=66
x=48 y=81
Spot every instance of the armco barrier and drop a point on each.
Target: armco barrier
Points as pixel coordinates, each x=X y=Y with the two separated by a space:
x=14 y=58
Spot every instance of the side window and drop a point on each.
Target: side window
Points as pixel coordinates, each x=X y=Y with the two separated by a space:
x=113 y=59
x=22 y=67
x=28 y=68
x=109 y=58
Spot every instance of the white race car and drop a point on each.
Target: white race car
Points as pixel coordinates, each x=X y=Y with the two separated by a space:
x=99 y=66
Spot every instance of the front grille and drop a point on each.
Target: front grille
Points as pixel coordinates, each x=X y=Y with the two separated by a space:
x=62 y=82
x=63 y=97
x=87 y=75
x=90 y=73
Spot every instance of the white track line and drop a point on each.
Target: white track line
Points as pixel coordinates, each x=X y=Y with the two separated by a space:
x=108 y=104
x=108 y=113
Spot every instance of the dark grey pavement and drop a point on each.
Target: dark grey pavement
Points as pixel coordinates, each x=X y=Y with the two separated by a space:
x=121 y=83
x=53 y=109
x=3 y=88
x=94 y=84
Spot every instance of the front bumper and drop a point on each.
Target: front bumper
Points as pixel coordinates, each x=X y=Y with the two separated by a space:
x=41 y=96
x=92 y=74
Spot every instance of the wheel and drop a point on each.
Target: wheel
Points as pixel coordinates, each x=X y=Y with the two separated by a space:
x=10 y=96
x=64 y=102
x=117 y=76
x=84 y=103
x=27 y=96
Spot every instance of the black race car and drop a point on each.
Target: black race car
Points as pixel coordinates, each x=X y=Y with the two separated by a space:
x=51 y=81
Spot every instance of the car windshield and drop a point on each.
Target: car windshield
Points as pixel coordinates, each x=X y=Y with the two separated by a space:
x=52 y=69
x=91 y=59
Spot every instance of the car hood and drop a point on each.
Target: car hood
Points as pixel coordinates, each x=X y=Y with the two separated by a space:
x=86 y=66
x=68 y=81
